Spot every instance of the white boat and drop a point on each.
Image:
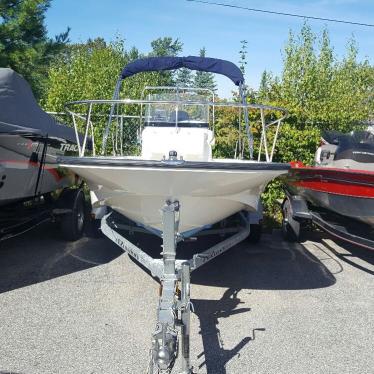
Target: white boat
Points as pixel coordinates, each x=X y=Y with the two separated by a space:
x=175 y=161
x=207 y=192
x=157 y=169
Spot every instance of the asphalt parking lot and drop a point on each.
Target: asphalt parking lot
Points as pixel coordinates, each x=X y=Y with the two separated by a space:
x=276 y=307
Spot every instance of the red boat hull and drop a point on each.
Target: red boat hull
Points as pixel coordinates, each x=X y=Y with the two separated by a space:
x=346 y=192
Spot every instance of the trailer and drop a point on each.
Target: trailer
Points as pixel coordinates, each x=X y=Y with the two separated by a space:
x=66 y=209
x=175 y=306
x=298 y=214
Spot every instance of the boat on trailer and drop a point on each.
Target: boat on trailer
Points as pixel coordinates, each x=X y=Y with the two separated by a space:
x=337 y=193
x=167 y=182
x=33 y=187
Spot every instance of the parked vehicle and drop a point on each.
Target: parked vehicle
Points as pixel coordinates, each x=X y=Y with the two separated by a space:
x=337 y=193
x=33 y=187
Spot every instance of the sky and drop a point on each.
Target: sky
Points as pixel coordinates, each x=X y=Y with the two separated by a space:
x=218 y=29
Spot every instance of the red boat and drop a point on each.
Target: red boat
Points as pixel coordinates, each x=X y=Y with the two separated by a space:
x=338 y=192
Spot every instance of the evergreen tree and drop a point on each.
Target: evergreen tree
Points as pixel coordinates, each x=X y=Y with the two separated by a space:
x=166 y=47
x=183 y=78
x=266 y=86
x=24 y=44
x=204 y=79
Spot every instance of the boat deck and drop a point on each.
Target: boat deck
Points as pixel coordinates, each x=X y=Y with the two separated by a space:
x=219 y=164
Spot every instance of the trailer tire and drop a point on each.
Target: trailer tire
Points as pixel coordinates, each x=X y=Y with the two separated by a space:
x=287 y=232
x=255 y=233
x=72 y=224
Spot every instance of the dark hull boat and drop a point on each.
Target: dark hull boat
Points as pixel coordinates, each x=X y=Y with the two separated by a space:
x=30 y=142
x=339 y=188
x=28 y=166
x=31 y=181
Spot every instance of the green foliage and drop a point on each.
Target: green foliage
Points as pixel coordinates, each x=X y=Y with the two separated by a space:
x=90 y=71
x=270 y=199
x=204 y=79
x=297 y=144
x=316 y=88
x=226 y=131
x=320 y=93
x=85 y=71
x=183 y=78
x=24 y=45
x=166 y=47
x=319 y=90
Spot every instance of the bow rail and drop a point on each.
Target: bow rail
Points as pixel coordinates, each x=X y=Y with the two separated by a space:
x=127 y=117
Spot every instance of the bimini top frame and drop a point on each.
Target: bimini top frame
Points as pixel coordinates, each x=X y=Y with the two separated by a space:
x=206 y=64
x=226 y=68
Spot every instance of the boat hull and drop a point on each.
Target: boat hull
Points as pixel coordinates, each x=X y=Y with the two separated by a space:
x=28 y=167
x=207 y=191
x=347 y=192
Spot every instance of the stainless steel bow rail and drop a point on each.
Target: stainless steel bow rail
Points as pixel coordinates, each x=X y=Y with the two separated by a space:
x=174 y=305
x=117 y=122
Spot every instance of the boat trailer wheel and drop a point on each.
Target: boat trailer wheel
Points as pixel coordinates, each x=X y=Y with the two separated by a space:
x=72 y=223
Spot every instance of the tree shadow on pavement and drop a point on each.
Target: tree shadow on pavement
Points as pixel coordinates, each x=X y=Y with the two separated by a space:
x=39 y=255
x=209 y=312
x=271 y=265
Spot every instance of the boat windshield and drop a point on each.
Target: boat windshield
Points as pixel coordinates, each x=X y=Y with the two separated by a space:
x=355 y=138
x=178 y=107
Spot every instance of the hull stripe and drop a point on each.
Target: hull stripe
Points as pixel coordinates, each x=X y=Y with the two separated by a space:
x=52 y=170
x=336 y=188
x=355 y=183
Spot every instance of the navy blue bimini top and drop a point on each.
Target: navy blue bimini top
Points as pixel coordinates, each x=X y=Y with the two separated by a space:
x=212 y=65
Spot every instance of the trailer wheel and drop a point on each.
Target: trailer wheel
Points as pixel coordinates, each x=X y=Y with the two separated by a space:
x=72 y=224
x=255 y=233
x=287 y=232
